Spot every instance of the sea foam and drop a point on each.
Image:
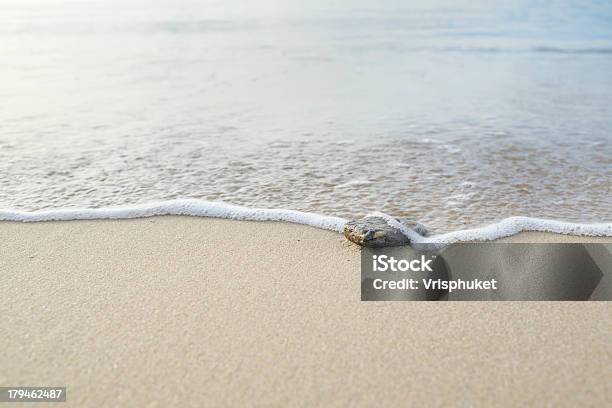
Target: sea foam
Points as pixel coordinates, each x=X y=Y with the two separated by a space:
x=504 y=228
x=191 y=207
x=198 y=208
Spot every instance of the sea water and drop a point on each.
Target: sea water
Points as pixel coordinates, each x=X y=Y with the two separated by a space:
x=453 y=113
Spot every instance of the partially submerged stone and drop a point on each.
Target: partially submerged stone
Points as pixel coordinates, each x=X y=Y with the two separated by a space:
x=374 y=232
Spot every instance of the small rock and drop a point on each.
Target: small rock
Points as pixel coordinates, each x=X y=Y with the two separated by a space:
x=374 y=232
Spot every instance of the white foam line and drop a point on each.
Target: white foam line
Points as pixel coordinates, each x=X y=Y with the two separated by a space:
x=191 y=207
x=504 y=228
x=198 y=208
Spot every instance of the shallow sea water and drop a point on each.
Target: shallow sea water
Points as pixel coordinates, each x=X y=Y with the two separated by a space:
x=453 y=113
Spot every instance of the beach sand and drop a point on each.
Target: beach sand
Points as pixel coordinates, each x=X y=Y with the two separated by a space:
x=182 y=311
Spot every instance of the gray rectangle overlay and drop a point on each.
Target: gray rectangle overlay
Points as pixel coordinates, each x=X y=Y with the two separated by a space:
x=488 y=271
x=32 y=394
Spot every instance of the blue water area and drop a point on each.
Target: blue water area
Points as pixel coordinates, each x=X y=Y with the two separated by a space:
x=455 y=113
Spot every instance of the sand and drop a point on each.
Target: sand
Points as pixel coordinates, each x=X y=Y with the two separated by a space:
x=180 y=311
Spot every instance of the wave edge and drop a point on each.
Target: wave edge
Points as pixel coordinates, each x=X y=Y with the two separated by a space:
x=199 y=208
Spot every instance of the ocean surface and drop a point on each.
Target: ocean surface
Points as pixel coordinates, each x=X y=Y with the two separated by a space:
x=456 y=113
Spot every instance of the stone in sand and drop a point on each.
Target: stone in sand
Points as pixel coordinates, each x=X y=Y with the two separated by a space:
x=374 y=232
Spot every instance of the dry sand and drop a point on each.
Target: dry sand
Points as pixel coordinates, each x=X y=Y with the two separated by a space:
x=179 y=311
